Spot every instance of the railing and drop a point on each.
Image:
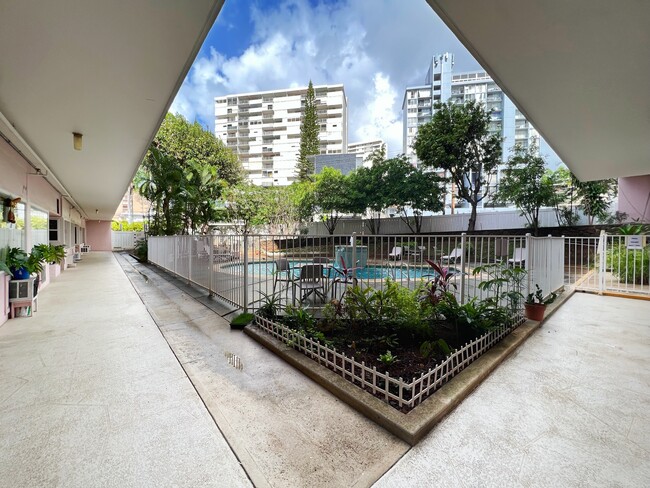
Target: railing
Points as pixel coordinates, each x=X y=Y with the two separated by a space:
x=122 y=240
x=608 y=263
x=245 y=270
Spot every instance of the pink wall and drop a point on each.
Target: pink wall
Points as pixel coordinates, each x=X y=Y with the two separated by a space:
x=634 y=197
x=98 y=235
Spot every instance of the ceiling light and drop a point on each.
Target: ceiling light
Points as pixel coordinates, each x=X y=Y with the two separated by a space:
x=76 y=140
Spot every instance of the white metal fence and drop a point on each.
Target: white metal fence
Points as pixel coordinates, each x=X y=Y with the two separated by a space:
x=122 y=240
x=608 y=263
x=244 y=270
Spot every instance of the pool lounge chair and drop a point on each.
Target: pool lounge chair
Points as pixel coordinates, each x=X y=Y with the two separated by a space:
x=453 y=256
x=395 y=254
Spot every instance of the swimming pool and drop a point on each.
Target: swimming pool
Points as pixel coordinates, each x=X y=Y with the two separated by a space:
x=370 y=272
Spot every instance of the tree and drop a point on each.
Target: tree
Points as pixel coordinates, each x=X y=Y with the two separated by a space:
x=458 y=141
x=309 y=143
x=595 y=196
x=246 y=206
x=160 y=180
x=189 y=141
x=184 y=174
x=411 y=189
x=371 y=184
x=331 y=196
x=527 y=184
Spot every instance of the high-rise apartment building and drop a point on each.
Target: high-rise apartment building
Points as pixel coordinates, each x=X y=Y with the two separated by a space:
x=263 y=129
x=366 y=148
x=442 y=84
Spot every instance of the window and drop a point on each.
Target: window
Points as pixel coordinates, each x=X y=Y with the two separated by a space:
x=13 y=233
x=39 y=222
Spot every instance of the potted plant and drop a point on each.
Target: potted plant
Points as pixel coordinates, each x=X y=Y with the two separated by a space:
x=54 y=255
x=536 y=304
x=16 y=261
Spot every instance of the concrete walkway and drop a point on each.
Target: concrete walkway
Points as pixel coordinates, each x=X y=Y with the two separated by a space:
x=91 y=395
x=571 y=408
x=286 y=430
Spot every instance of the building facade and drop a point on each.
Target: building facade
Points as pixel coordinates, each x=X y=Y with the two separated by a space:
x=442 y=85
x=263 y=129
x=346 y=163
x=366 y=148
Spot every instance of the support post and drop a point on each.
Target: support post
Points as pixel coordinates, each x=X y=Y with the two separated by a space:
x=211 y=264
x=528 y=256
x=245 y=273
x=354 y=255
x=602 y=261
x=189 y=259
x=463 y=247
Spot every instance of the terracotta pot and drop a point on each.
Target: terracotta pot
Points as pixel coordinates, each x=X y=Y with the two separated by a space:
x=535 y=311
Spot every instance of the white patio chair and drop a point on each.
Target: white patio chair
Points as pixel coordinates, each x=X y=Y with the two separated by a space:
x=518 y=257
x=395 y=254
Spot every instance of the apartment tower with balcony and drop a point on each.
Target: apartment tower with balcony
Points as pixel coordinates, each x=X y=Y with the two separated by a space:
x=442 y=85
x=263 y=129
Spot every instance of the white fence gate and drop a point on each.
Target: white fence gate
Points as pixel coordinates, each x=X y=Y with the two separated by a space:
x=123 y=240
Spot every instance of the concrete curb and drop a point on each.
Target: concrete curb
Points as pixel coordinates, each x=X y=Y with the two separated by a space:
x=413 y=426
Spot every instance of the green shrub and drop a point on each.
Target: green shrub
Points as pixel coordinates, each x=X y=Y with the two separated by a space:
x=631 y=266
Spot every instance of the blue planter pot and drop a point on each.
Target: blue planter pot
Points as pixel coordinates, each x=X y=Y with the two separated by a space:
x=20 y=273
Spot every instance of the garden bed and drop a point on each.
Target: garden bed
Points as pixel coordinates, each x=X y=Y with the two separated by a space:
x=402 y=394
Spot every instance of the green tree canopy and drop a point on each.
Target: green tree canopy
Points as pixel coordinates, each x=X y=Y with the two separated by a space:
x=527 y=184
x=411 y=190
x=367 y=188
x=184 y=174
x=247 y=206
x=458 y=141
x=595 y=196
x=331 y=196
x=309 y=143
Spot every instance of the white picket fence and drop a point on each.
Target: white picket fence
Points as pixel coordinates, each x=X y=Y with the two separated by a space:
x=403 y=393
x=492 y=220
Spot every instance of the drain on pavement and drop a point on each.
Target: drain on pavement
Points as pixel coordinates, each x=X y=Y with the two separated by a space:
x=234 y=361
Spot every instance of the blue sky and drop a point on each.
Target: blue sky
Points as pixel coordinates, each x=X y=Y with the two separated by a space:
x=375 y=48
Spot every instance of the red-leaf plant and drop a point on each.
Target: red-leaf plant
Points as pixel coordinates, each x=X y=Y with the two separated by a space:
x=436 y=288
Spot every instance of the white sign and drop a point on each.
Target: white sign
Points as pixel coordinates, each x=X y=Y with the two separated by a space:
x=635 y=242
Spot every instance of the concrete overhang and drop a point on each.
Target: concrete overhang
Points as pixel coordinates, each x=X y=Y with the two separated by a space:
x=108 y=70
x=577 y=69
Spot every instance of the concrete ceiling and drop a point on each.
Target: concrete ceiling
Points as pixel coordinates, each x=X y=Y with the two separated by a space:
x=106 y=69
x=579 y=70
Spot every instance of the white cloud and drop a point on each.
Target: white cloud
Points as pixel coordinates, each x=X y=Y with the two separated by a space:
x=375 y=48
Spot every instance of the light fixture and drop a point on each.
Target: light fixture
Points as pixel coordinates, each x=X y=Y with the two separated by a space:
x=76 y=140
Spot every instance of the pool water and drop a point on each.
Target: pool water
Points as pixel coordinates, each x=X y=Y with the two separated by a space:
x=370 y=272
